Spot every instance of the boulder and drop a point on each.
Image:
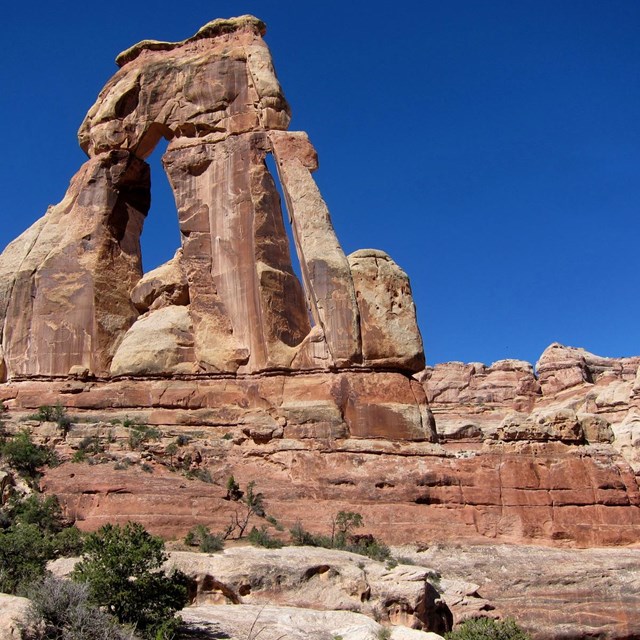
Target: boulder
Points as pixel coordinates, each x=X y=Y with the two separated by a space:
x=13 y=615
x=159 y=343
x=389 y=332
x=162 y=287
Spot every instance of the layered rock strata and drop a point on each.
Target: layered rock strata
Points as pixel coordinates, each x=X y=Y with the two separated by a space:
x=314 y=389
x=317 y=444
x=574 y=397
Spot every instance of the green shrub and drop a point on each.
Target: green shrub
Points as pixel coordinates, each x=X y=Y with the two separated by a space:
x=60 y=609
x=60 y=416
x=201 y=537
x=123 y=568
x=45 y=513
x=252 y=505
x=204 y=475
x=24 y=552
x=56 y=413
x=44 y=414
x=233 y=490
x=302 y=537
x=79 y=456
x=341 y=537
x=344 y=523
x=274 y=522
x=68 y=542
x=25 y=456
x=487 y=629
x=140 y=434
x=34 y=533
x=262 y=538
x=91 y=445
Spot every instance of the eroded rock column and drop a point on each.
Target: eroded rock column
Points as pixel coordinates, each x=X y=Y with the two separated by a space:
x=325 y=269
x=66 y=282
x=247 y=304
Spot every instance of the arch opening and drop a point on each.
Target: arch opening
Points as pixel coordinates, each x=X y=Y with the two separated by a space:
x=293 y=249
x=160 y=237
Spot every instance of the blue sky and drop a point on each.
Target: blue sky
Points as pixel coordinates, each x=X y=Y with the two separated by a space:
x=491 y=148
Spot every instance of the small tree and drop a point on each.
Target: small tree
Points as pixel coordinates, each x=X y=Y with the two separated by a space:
x=123 y=568
x=24 y=553
x=253 y=502
x=233 y=490
x=343 y=525
x=25 y=456
x=43 y=512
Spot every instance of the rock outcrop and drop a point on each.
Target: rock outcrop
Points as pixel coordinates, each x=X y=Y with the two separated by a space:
x=229 y=302
x=277 y=622
x=223 y=362
x=573 y=397
x=552 y=593
x=13 y=615
x=321 y=579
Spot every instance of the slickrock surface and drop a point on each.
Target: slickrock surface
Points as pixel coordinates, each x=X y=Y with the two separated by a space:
x=13 y=610
x=273 y=623
x=313 y=578
x=553 y=593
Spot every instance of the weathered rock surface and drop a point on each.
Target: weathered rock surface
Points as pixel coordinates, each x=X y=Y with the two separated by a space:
x=273 y=622
x=68 y=299
x=577 y=397
x=13 y=614
x=313 y=578
x=387 y=313
x=553 y=593
x=422 y=492
x=165 y=286
x=159 y=342
x=65 y=283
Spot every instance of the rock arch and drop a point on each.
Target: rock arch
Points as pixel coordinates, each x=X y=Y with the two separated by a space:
x=72 y=295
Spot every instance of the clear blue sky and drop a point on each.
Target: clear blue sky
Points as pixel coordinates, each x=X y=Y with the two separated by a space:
x=491 y=147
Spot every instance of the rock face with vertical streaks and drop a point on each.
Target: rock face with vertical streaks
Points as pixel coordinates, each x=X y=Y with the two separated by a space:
x=314 y=386
x=71 y=292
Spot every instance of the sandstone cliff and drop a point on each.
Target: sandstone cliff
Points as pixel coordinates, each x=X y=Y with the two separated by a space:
x=222 y=362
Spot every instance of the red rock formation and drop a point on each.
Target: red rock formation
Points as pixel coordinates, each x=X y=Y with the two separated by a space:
x=65 y=282
x=215 y=96
x=303 y=387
